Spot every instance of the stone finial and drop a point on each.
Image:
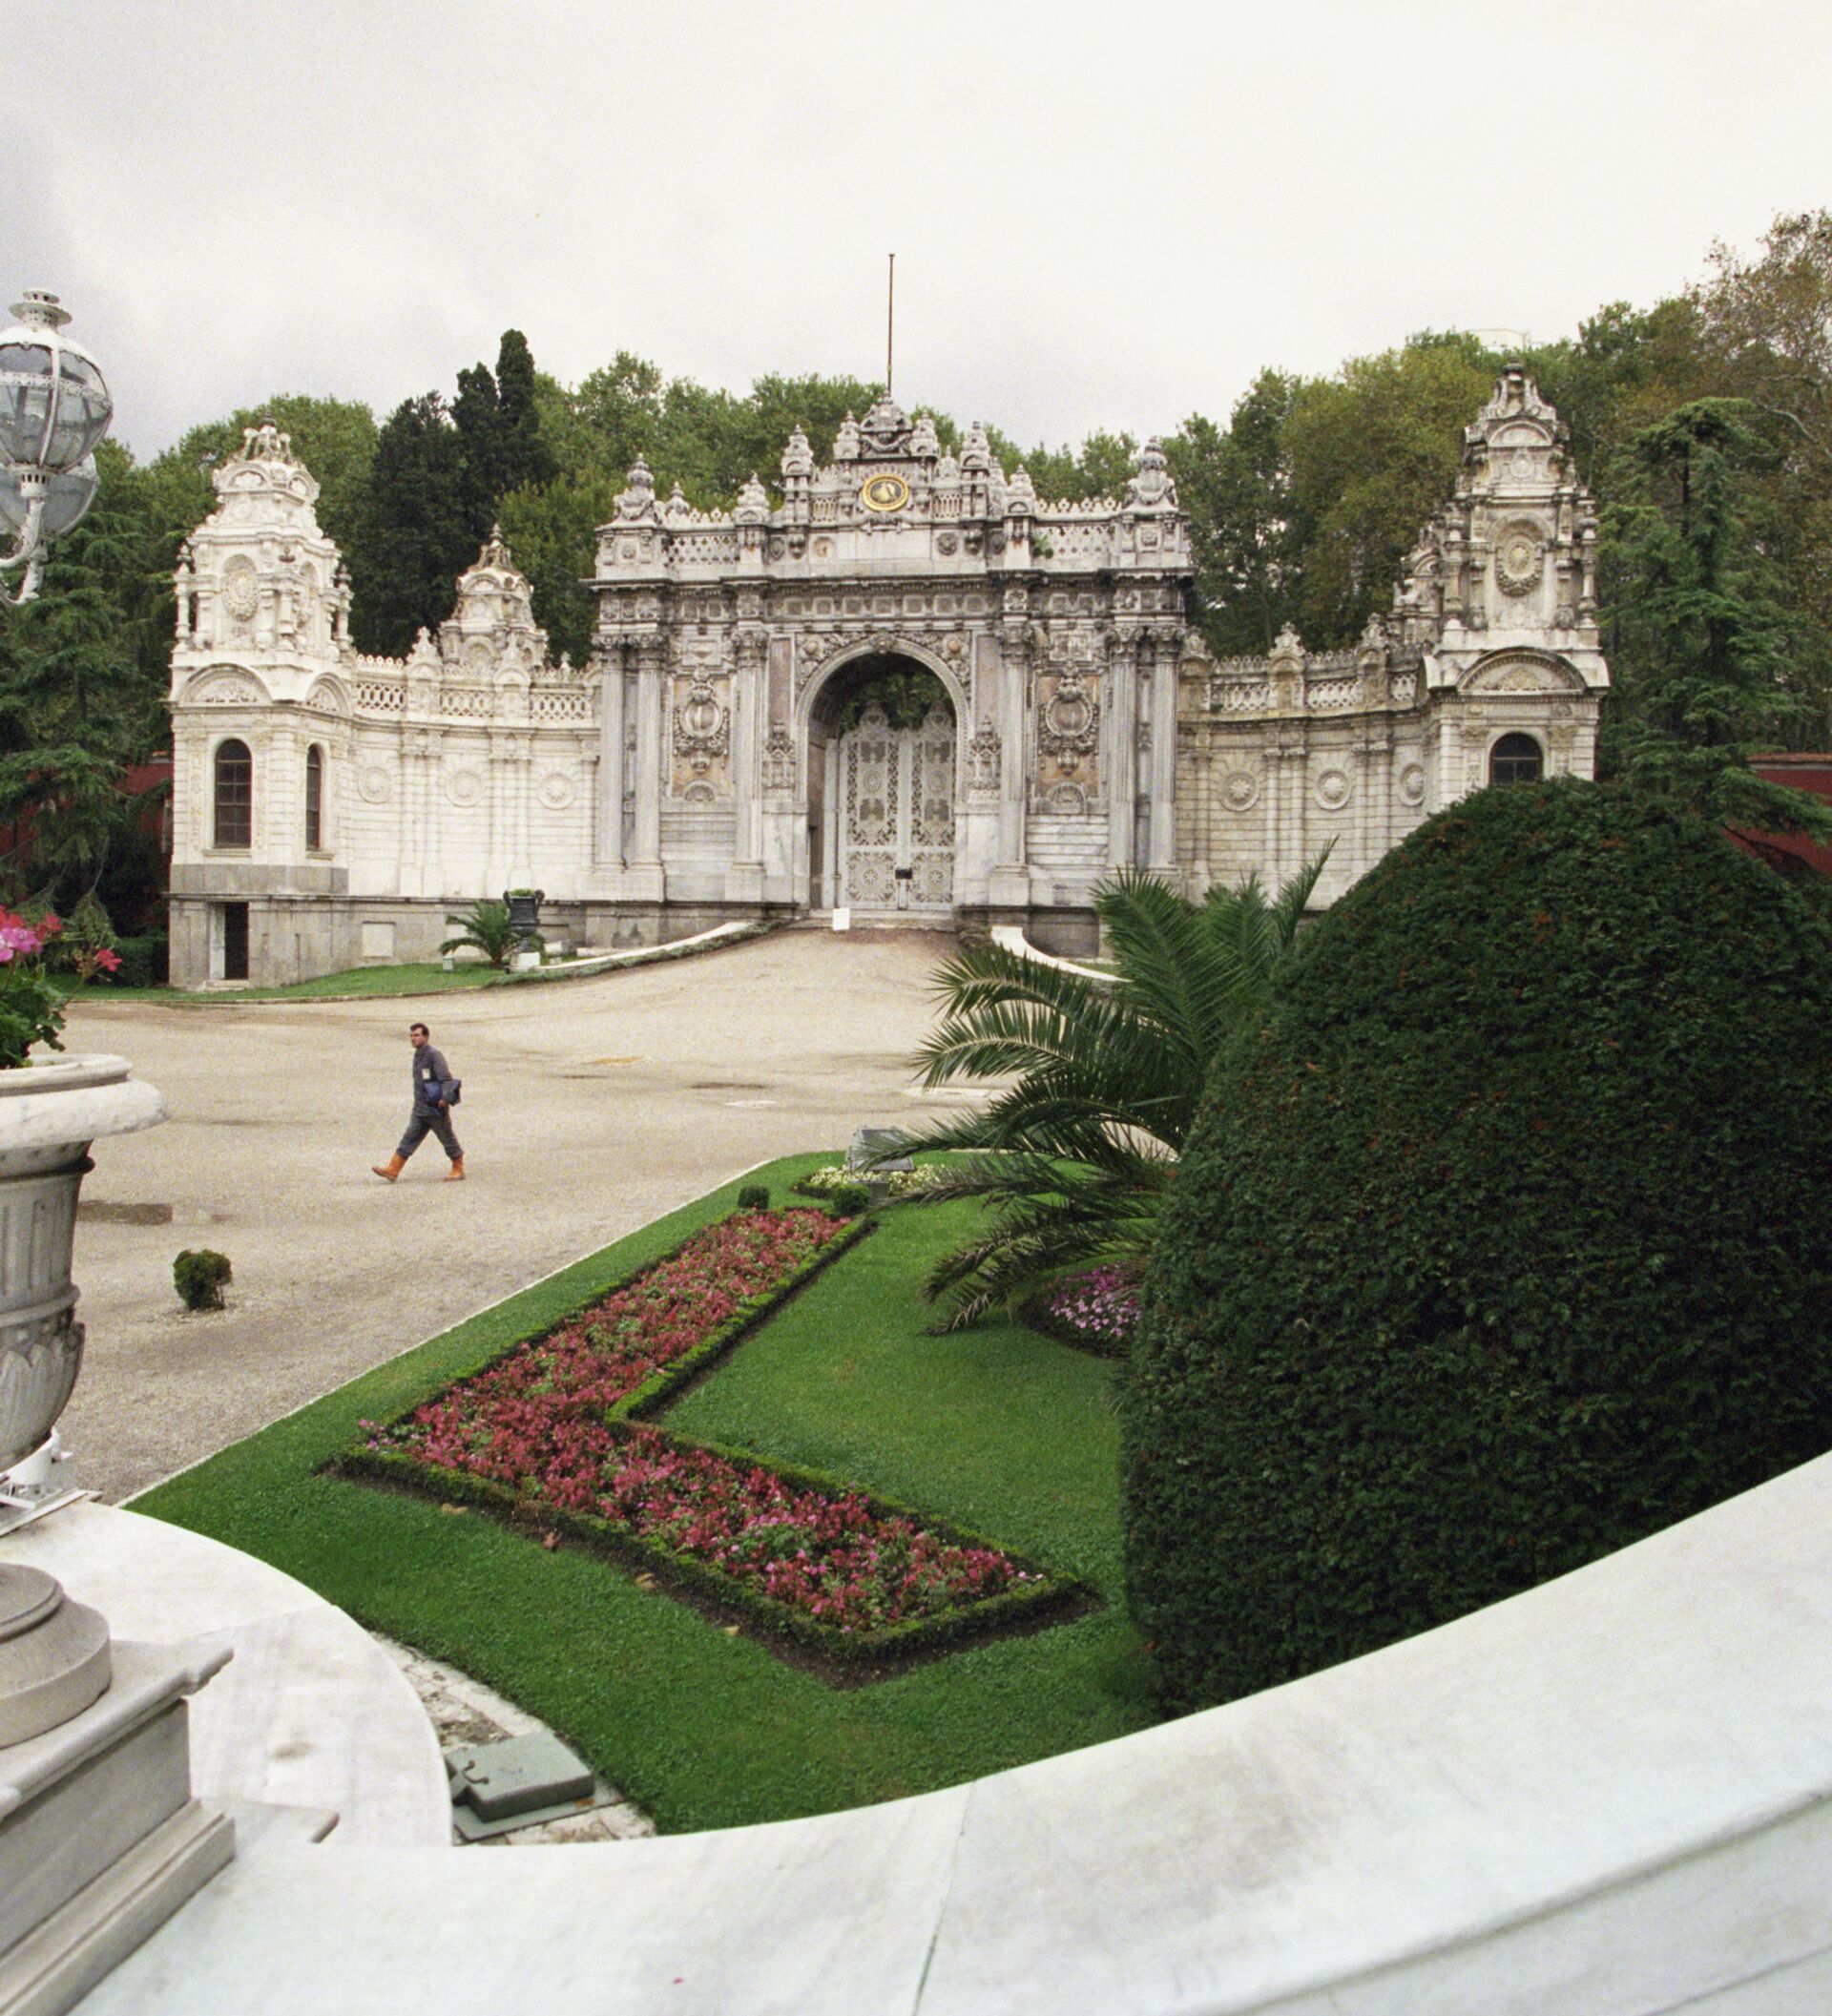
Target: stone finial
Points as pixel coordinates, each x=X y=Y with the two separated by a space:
x=976 y=451
x=1152 y=488
x=679 y=509
x=1288 y=644
x=797 y=457
x=494 y=554
x=886 y=427
x=846 y=443
x=947 y=471
x=637 y=500
x=424 y=651
x=1021 y=494
x=753 y=502
x=923 y=441
x=266 y=443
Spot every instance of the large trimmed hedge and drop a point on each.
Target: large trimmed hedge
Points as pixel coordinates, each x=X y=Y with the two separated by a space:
x=1505 y=1243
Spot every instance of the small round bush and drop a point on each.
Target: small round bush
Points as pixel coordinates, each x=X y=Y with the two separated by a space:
x=754 y=1196
x=1507 y=1241
x=199 y=1277
x=846 y=1200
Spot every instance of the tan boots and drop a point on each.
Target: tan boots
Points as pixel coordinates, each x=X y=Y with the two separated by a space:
x=395 y=1165
x=456 y=1173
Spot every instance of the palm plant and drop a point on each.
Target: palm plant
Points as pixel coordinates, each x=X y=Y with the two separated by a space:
x=1075 y=1155
x=486 y=930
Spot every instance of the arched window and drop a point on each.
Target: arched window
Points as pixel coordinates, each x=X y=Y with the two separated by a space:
x=1516 y=760
x=314 y=799
x=235 y=794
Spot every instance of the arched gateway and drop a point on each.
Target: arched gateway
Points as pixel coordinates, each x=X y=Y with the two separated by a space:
x=908 y=687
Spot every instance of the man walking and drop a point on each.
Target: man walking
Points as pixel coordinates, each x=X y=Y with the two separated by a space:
x=434 y=1088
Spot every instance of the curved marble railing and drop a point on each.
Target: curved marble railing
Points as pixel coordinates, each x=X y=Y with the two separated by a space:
x=1609 y=1795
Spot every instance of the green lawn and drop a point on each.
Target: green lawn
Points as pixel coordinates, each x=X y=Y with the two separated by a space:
x=999 y=1429
x=426 y=977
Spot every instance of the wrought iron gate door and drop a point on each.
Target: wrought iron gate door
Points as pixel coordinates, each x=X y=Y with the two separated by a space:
x=896 y=834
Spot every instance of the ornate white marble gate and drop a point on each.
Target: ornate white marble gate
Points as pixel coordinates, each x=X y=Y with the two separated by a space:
x=896 y=813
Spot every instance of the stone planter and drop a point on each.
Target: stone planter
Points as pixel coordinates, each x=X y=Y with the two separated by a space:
x=49 y=1112
x=524 y=913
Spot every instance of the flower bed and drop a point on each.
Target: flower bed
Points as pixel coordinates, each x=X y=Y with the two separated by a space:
x=895 y=1184
x=549 y=1432
x=1097 y=1310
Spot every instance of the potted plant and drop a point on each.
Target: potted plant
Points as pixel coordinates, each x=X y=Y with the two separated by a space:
x=51 y=1110
x=524 y=913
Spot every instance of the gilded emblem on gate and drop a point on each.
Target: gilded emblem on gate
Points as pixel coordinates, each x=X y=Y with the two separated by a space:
x=884 y=493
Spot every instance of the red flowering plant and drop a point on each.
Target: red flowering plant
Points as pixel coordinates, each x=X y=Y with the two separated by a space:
x=31 y=1006
x=547 y=1431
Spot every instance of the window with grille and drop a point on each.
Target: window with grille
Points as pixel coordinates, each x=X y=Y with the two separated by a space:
x=1516 y=760
x=314 y=799
x=235 y=794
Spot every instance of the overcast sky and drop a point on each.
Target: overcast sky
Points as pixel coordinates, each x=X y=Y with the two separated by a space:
x=1104 y=215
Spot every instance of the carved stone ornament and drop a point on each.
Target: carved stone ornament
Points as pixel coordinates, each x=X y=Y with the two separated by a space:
x=464 y=787
x=1412 y=785
x=1070 y=721
x=982 y=753
x=376 y=785
x=1519 y=560
x=778 y=760
x=227 y=689
x=240 y=588
x=557 y=790
x=703 y=727
x=1240 y=792
x=1332 y=790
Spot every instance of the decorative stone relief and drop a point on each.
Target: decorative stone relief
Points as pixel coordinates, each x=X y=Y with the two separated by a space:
x=982 y=761
x=778 y=760
x=1519 y=560
x=1067 y=729
x=1240 y=790
x=376 y=785
x=226 y=688
x=557 y=790
x=1333 y=790
x=1412 y=785
x=464 y=787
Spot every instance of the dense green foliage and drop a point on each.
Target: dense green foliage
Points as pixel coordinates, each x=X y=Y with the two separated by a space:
x=1008 y=1435
x=199 y=1275
x=486 y=928
x=1508 y=1241
x=1077 y=1152
x=1303 y=500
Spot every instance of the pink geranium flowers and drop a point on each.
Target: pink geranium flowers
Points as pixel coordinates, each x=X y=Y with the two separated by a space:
x=541 y=1424
x=1100 y=1306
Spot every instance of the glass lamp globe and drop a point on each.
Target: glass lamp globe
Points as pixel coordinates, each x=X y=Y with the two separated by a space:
x=68 y=496
x=53 y=405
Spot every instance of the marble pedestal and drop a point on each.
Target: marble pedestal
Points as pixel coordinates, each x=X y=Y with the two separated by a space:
x=100 y=1838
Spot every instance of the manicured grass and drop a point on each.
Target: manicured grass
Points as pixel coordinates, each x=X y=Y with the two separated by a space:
x=1000 y=1430
x=426 y=977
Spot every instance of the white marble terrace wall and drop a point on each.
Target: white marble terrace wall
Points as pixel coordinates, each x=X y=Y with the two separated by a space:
x=1610 y=1795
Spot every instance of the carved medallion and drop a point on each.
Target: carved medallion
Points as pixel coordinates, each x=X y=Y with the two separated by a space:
x=1518 y=560
x=240 y=589
x=464 y=787
x=1412 y=785
x=1240 y=791
x=1332 y=790
x=556 y=790
x=376 y=785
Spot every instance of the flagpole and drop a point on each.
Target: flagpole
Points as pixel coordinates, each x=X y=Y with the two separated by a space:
x=890 y=324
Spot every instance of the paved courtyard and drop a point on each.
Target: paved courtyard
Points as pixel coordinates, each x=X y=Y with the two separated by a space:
x=589 y=1108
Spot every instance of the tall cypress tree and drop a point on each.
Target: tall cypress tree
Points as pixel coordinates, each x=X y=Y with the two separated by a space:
x=418 y=532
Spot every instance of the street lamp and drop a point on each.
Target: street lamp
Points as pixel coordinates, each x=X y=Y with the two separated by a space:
x=54 y=408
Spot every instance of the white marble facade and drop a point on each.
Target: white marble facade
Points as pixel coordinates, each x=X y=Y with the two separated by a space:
x=703 y=766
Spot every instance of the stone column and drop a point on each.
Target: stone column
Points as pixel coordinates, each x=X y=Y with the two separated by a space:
x=1015 y=765
x=1121 y=751
x=1163 y=771
x=750 y=655
x=609 y=849
x=651 y=671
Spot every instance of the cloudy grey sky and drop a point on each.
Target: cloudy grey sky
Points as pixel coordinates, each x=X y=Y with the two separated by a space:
x=1104 y=214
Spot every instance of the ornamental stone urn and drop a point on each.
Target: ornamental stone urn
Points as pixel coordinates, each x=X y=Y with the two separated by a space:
x=524 y=912
x=54 y=1662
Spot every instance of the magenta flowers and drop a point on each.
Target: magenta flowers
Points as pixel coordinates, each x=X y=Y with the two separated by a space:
x=1100 y=1306
x=541 y=1427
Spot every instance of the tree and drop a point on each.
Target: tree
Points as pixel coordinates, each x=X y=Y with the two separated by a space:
x=1704 y=629
x=77 y=700
x=1235 y=485
x=486 y=929
x=1373 y=453
x=1075 y=1157
x=417 y=533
